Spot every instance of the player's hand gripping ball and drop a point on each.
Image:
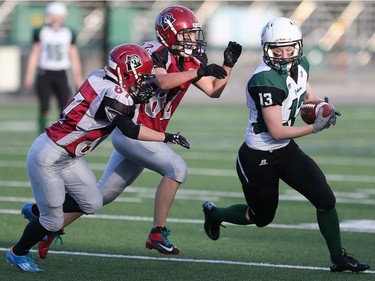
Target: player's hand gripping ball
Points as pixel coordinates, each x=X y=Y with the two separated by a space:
x=309 y=110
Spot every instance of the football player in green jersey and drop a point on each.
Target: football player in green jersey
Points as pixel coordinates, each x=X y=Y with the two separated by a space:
x=275 y=93
x=53 y=55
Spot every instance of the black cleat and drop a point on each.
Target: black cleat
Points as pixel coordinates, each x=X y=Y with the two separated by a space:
x=342 y=262
x=211 y=226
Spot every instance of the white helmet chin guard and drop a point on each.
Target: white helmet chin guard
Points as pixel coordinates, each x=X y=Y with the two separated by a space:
x=281 y=32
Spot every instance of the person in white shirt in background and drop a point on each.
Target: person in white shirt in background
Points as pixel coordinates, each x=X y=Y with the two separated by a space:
x=53 y=54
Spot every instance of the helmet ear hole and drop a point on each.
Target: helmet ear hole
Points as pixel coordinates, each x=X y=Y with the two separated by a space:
x=126 y=76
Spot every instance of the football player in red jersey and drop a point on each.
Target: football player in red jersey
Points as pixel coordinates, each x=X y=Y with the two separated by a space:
x=105 y=101
x=179 y=61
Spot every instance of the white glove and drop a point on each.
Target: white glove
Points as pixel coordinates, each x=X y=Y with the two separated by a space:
x=321 y=122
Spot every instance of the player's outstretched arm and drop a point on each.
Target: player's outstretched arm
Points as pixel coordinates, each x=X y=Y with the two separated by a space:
x=134 y=131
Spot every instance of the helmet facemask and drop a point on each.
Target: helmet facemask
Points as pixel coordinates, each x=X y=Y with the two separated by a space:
x=189 y=41
x=143 y=89
x=283 y=65
x=281 y=32
x=141 y=86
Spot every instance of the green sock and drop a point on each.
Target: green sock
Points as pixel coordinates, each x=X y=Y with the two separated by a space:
x=42 y=120
x=330 y=228
x=234 y=214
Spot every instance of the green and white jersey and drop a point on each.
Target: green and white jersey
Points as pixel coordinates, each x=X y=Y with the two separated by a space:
x=267 y=87
x=54 y=47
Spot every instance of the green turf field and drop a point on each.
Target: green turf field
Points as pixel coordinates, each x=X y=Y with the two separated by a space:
x=111 y=244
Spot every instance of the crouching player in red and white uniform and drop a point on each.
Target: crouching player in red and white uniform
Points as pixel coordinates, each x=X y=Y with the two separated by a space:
x=55 y=165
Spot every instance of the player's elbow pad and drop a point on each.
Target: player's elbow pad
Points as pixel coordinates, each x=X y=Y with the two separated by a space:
x=127 y=126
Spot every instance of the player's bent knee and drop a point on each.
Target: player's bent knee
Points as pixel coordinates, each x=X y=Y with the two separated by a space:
x=262 y=221
x=326 y=207
x=54 y=224
x=93 y=207
x=178 y=169
x=327 y=204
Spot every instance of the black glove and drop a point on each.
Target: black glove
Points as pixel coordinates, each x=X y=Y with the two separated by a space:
x=212 y=70
x=177 y=139
x=232 y=53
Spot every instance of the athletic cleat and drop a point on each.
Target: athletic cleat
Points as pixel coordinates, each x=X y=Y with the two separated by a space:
x=23 y=263
x=158 y=240
x=342 y=262
x=211 y=226
x=43 y=245
x=27 y=211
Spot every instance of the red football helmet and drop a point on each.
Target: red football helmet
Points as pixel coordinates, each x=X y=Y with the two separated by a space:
x=178 y=29
x=132 y=67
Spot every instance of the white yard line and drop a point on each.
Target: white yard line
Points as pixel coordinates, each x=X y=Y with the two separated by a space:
x=202 y=261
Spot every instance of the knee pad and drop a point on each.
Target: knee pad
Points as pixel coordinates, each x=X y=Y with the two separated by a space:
x=92 y=207
x=177 y=170
x=54 y=223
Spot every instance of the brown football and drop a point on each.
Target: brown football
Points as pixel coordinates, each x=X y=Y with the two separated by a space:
x=309 y=110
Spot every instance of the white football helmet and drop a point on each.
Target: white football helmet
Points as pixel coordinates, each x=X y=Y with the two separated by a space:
x=56 y=9
x=55 y=14
x=281 y=32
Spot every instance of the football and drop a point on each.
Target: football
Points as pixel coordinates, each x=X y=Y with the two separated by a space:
x=309 y=110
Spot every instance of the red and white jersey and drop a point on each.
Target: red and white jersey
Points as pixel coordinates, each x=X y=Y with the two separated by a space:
x=157 y=113
x=87 y=118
